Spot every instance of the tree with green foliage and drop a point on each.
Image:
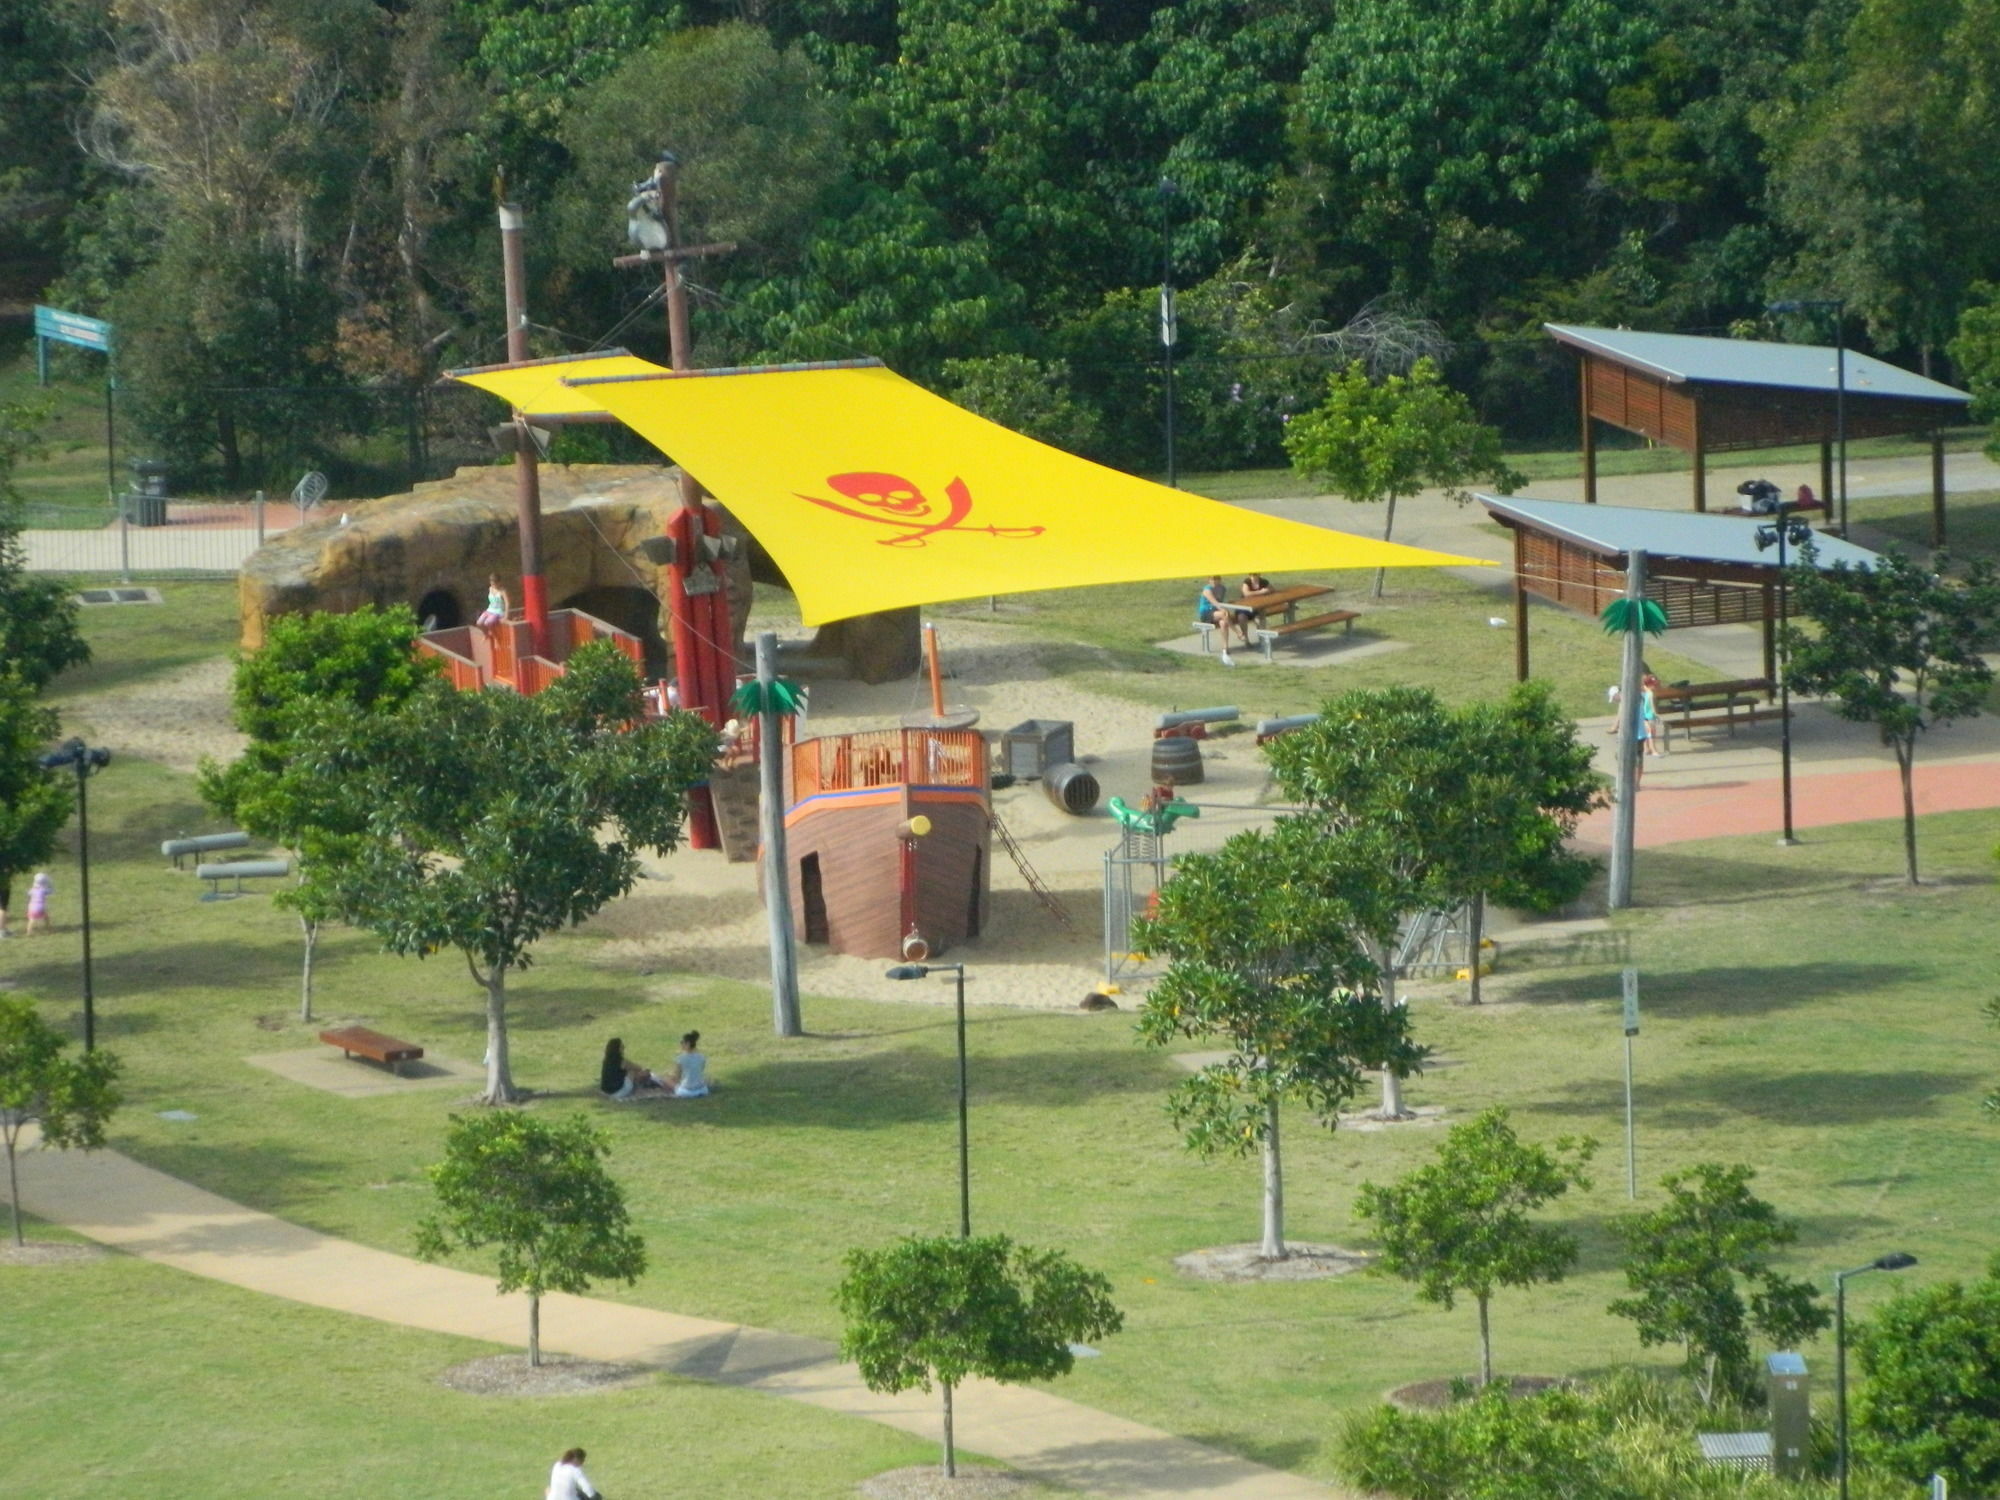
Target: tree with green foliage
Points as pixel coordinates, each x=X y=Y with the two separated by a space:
x=1991 y=1103
x=1885 y=142
x=538 y=1191
x=1976 y=351
x=1461 y=1226
x=1897 y=645
x=69 y=1099
x=1930 y=1384
x=39 y=634
x=1386 y=440
x=1030 y=396
x=309 y=667
x=944 y=1310
x=1690 y=1263
x=494 y=819
x=1264 y=956
x=34 y=805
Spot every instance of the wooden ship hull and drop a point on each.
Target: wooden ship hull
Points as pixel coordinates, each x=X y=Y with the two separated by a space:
x=889 y=839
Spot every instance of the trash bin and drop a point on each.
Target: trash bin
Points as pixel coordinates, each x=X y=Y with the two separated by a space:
x=142 y=509
x=146 y=502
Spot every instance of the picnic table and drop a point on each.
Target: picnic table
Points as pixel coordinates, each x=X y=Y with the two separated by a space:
x=1283 y=605
x=1689 y=706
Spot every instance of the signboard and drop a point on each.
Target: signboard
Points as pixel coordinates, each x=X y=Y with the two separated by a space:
x=1631 y=977
x=73 y=328
x=1170 y=334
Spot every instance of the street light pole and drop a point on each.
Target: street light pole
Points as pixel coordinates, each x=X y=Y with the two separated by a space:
x=85 y=760
x=1789 y=528
x=919 y=971
x=1894 y=1261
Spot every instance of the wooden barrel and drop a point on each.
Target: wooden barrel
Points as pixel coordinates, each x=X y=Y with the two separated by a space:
x=1177 y=762
x=1071 y=788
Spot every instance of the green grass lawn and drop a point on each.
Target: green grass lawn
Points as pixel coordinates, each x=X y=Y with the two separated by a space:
x=1103 y=638
x=1802 y=1013
x=194 y=621
x=1972 y=521
x=132 y=1379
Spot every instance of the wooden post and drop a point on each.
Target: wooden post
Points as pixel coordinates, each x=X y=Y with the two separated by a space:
x=1825 y=476
x=1700 y=456
x=527 y=467
x=1589 y=441
x=937 y=672
x=1937 y=488
x=777 y=867
x=1624 y=814
x=1520 y=608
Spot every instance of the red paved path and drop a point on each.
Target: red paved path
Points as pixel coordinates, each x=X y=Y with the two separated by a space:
x=1672 y=815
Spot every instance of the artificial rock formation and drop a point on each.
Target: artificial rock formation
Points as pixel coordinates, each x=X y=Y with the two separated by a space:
x=434 y=547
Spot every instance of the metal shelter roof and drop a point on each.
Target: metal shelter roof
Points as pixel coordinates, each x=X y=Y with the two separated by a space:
x=1683 y=358
x=1615 y=530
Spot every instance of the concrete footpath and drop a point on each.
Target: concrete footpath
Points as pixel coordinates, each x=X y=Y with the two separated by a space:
x=117 y=1202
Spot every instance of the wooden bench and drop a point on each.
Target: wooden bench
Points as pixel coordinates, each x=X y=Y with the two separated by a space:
x=1269 y=635
x=178 y=850
x=239 y=871
x=359 y=1041
x=1689 y=706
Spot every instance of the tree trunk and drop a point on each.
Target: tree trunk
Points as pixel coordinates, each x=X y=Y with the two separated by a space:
x=1477 y=923
x=534 y=1330
x=1274 y=1189
x=499 y=1078
x=1485 y=1347
x=950 y=1453
x=14 y=1189
x=1706 y=1385
x=1906 y=766
x=1388 y=525
x=1392 y=1086
x=311 y=930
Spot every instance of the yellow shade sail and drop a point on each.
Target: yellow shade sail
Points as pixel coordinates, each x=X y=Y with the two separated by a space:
x=539 y=392
x=871 y=493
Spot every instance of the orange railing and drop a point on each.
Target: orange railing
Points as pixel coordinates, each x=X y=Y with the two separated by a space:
x=504 y=655
x=888 y=757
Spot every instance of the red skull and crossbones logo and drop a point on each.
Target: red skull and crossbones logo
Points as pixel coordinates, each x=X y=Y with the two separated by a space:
x=892 y=500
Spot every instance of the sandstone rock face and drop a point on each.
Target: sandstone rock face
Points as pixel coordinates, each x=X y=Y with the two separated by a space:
x=433 y=548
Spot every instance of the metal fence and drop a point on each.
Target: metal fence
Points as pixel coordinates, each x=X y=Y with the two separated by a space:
x=124 y=550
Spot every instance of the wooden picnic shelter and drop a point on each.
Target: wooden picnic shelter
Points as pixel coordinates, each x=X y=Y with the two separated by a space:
x=1714 y=395
x=1702 y=570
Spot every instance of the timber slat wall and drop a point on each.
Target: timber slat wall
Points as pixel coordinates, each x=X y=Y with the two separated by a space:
x=1746 y=416
x=1576 y=578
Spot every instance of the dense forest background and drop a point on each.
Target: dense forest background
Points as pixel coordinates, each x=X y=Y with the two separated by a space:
x=286 y=206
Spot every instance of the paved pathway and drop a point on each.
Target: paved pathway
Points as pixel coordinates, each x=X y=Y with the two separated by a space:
x=116 y=1201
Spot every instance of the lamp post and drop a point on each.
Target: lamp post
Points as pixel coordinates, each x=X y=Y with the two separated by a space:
x=86 y=761
x=1896 y=1260
x=919 y=971
x=1838 y=307
x=1169 y=323
x=1787 y=528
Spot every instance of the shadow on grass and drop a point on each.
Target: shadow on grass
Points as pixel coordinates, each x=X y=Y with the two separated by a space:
x=882 y=1090
x=1725 y=990
x=1813 y=1097
x=1275 y=1453
x=1670 y=877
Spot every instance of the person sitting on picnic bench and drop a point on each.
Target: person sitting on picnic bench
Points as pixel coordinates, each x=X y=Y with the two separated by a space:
x=620 y=1077
x=1256 y=586
x=1214 y=608
x=690 y=1079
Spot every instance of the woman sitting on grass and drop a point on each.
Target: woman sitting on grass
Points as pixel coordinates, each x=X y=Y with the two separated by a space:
x=620 y=1077
x=690 y=1079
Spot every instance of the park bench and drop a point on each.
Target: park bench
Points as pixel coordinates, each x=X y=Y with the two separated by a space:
x=359 y=1041
x=1269 y=635
x=178 y=850
x=1688 y=706
x=239 y=871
